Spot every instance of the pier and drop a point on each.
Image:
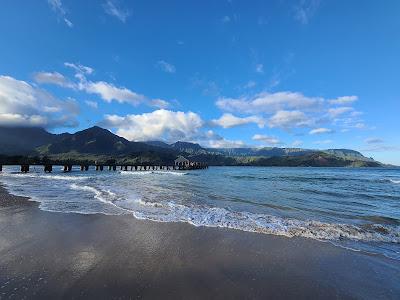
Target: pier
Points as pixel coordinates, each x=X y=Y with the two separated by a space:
x=48 y=168
x=181 y=163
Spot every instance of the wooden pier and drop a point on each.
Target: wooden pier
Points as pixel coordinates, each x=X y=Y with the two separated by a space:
x=181 y=163
x=48 y=168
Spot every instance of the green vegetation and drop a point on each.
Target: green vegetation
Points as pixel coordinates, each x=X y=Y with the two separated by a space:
x=98 y=145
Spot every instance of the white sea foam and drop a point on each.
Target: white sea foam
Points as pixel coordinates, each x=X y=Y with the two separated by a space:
x=394 y=181
x=245 y=221
x=49 y=176
x=151 y=172
x=104 y=196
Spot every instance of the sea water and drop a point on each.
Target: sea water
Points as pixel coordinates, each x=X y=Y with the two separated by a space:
x=355 y=208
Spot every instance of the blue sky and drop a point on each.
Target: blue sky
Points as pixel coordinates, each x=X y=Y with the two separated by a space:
x=307 y=73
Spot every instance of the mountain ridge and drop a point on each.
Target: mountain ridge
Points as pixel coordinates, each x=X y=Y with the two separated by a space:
x=96 y=143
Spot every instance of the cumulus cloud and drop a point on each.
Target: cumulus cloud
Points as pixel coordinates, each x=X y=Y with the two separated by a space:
x=166 y=67
x=343 y=100
x=289 y=119
x=270 y=102
x=109 y=92
x=158 y=125
x=289 y=110
x=228 y=120
x=168 y=126
x=320 y=130
x=22 y=104
x=113 y=8
x=270 y=140
x=58 y=8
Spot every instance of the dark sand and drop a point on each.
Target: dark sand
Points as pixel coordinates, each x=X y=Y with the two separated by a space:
x=55 y=255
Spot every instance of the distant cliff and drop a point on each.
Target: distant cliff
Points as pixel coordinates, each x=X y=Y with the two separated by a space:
x=97 y=144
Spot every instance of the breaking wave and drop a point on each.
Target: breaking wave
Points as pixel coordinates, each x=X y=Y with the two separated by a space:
x=267 y=224
x=144 y=173
x=49 y=177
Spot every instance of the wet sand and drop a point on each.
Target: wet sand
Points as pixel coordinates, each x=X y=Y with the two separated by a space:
x=55 y=255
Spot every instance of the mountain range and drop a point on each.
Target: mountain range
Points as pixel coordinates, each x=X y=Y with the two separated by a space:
x=36 y=145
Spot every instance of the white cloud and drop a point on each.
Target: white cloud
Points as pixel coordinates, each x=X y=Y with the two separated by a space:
x=52 y=78
x=168 y=126
x=289 y=119
x=260 y=68
x=305 y=10
x=166 y=67
x=228 y=120
x=159 y=103
x=109 y=92
x=335 y=112
x=112 y=8
x=374 y=141
x=270 y=102
x=320 y=130
x=92 y=104
x=158 y=125
x=343 y=100
x=59 y=9
x=212 y=140
x=79 y=68
x=223 y=143
x=270 y=140
x=25 y=105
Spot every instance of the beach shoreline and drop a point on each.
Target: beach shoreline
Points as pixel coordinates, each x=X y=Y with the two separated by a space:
x=68 y=255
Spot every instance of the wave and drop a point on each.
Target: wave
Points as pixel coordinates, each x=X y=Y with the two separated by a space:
x=105 y=196
x=49 y=176
x=153 y=172
x=394 y=181
x=267 y=224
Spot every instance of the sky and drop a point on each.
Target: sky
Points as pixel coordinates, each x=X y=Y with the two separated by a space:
x=315 y=74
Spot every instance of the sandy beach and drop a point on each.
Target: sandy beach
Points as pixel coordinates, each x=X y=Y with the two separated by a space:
x=56 y=255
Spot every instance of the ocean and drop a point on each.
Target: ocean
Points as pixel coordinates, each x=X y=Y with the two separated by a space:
x=354 y=208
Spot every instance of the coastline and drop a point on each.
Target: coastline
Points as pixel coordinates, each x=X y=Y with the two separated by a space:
x=58 y=255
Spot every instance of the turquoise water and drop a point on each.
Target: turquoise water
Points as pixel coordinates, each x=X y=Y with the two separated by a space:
x=354 y=208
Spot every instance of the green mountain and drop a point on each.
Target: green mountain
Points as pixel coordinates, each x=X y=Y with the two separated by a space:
x=36 y=145
x=23 y=140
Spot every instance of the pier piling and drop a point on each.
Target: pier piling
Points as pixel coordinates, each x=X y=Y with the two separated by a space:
x=24 y=168
x=67 y=168
x=48 y=168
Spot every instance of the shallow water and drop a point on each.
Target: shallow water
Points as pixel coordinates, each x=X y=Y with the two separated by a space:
x=354 y=208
